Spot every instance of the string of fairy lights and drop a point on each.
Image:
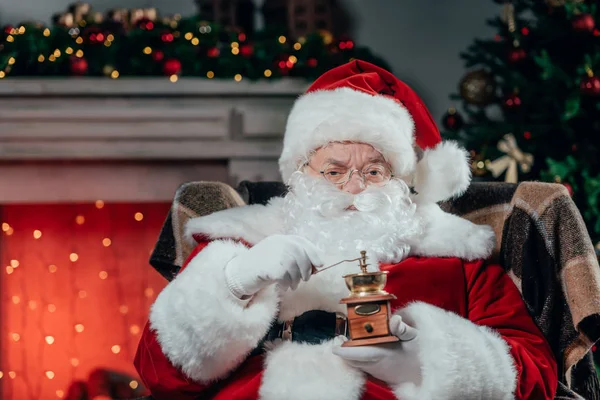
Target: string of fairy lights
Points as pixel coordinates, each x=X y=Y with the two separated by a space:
x=171 y=67
x=14 y=283
x=171 y=47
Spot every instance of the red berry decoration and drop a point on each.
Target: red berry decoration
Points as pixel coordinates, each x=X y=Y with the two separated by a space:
x=590 y=86
x=172 y=66
x=158 y=55
x=145 y=24
x=247 y=50
x=312 y=62
x=284 y=65
x=167 y=37
x=346 y=45
x=583 y=23
x=569 y=189
x=213 y=52
x=94 y=35
x=78 y=66
x=516 y=55
x=512 y=102
x=452 y=120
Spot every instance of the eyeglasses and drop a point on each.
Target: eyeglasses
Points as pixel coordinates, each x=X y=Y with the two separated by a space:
x=373 y=174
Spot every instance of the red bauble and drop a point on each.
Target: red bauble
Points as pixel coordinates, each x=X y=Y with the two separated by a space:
x=512 y=102
x=94 y=35
x=145 y=23
x=167 y=37
x=247 y=50
x=213 y=52
x=452 y=120
x=158 y=55
x=590 y=86
x=284 y=65
x=8 y=29
x=583 y=23
x=569 y=189
x=172 y=66
x=516 y=55
x=78 y=66
x=346 y=45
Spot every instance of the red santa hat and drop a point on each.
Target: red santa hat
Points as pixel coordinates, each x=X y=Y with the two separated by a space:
x=361 y=102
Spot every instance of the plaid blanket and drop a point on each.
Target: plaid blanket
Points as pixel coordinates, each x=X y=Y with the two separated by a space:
x=541 y=242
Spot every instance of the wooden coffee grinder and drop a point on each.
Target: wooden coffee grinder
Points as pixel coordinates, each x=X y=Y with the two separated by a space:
x=368 y=307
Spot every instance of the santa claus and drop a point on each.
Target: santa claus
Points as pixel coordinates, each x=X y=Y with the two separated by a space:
x=248 y=317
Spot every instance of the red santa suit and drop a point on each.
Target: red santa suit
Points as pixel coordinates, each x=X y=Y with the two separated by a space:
x=476 y=338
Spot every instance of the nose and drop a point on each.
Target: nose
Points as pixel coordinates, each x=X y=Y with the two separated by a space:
x=355 y=185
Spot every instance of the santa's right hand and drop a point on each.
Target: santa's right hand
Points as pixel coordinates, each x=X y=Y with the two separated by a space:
x=281 y=259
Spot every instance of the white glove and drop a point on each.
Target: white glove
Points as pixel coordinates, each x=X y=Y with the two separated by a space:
x=393 y=363
x=282 y=259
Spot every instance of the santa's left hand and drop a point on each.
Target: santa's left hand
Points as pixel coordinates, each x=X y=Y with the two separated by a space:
x=394 y=363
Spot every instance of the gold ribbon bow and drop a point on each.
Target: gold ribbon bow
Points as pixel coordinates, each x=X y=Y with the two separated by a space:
x=512 y=161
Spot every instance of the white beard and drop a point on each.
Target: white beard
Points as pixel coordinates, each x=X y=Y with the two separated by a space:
x=384 y=223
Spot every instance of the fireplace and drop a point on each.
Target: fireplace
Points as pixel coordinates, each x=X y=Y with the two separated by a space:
x=88 y=170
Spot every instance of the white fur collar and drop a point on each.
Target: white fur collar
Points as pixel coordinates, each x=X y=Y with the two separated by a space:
x=445 y=235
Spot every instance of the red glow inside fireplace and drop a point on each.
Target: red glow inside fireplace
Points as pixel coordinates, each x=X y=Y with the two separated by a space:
x=76 y=289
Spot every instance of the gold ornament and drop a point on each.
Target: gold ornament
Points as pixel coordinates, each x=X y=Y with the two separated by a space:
x=326 y=35
x=478 y=87
x=509 y=19
x=514 y=160
x=108 y=70
x=478 y=166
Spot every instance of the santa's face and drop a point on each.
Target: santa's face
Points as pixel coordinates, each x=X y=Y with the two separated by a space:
x=349 y=166
x=359 y=206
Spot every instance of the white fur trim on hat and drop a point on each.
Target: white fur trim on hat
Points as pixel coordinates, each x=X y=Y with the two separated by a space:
x=443 y=172
x=344 y=114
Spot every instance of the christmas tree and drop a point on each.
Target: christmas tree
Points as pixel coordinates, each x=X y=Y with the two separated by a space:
x=532 y=96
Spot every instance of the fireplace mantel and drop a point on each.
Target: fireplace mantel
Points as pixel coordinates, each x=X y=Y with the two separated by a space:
x=111 y=131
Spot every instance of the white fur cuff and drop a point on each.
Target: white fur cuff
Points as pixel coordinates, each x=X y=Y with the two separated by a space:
x=200 y=325
x=459 y=360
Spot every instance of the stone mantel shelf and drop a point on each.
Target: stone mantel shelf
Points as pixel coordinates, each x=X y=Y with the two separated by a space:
x=151 y=86
x=143 y=118
x=80 y=139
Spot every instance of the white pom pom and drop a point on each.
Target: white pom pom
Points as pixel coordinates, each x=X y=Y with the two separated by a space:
x=442 y=173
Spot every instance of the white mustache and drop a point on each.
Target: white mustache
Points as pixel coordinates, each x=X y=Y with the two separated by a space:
x=369 y=200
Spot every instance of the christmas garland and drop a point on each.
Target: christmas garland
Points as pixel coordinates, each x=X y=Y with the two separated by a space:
x=169 y=47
